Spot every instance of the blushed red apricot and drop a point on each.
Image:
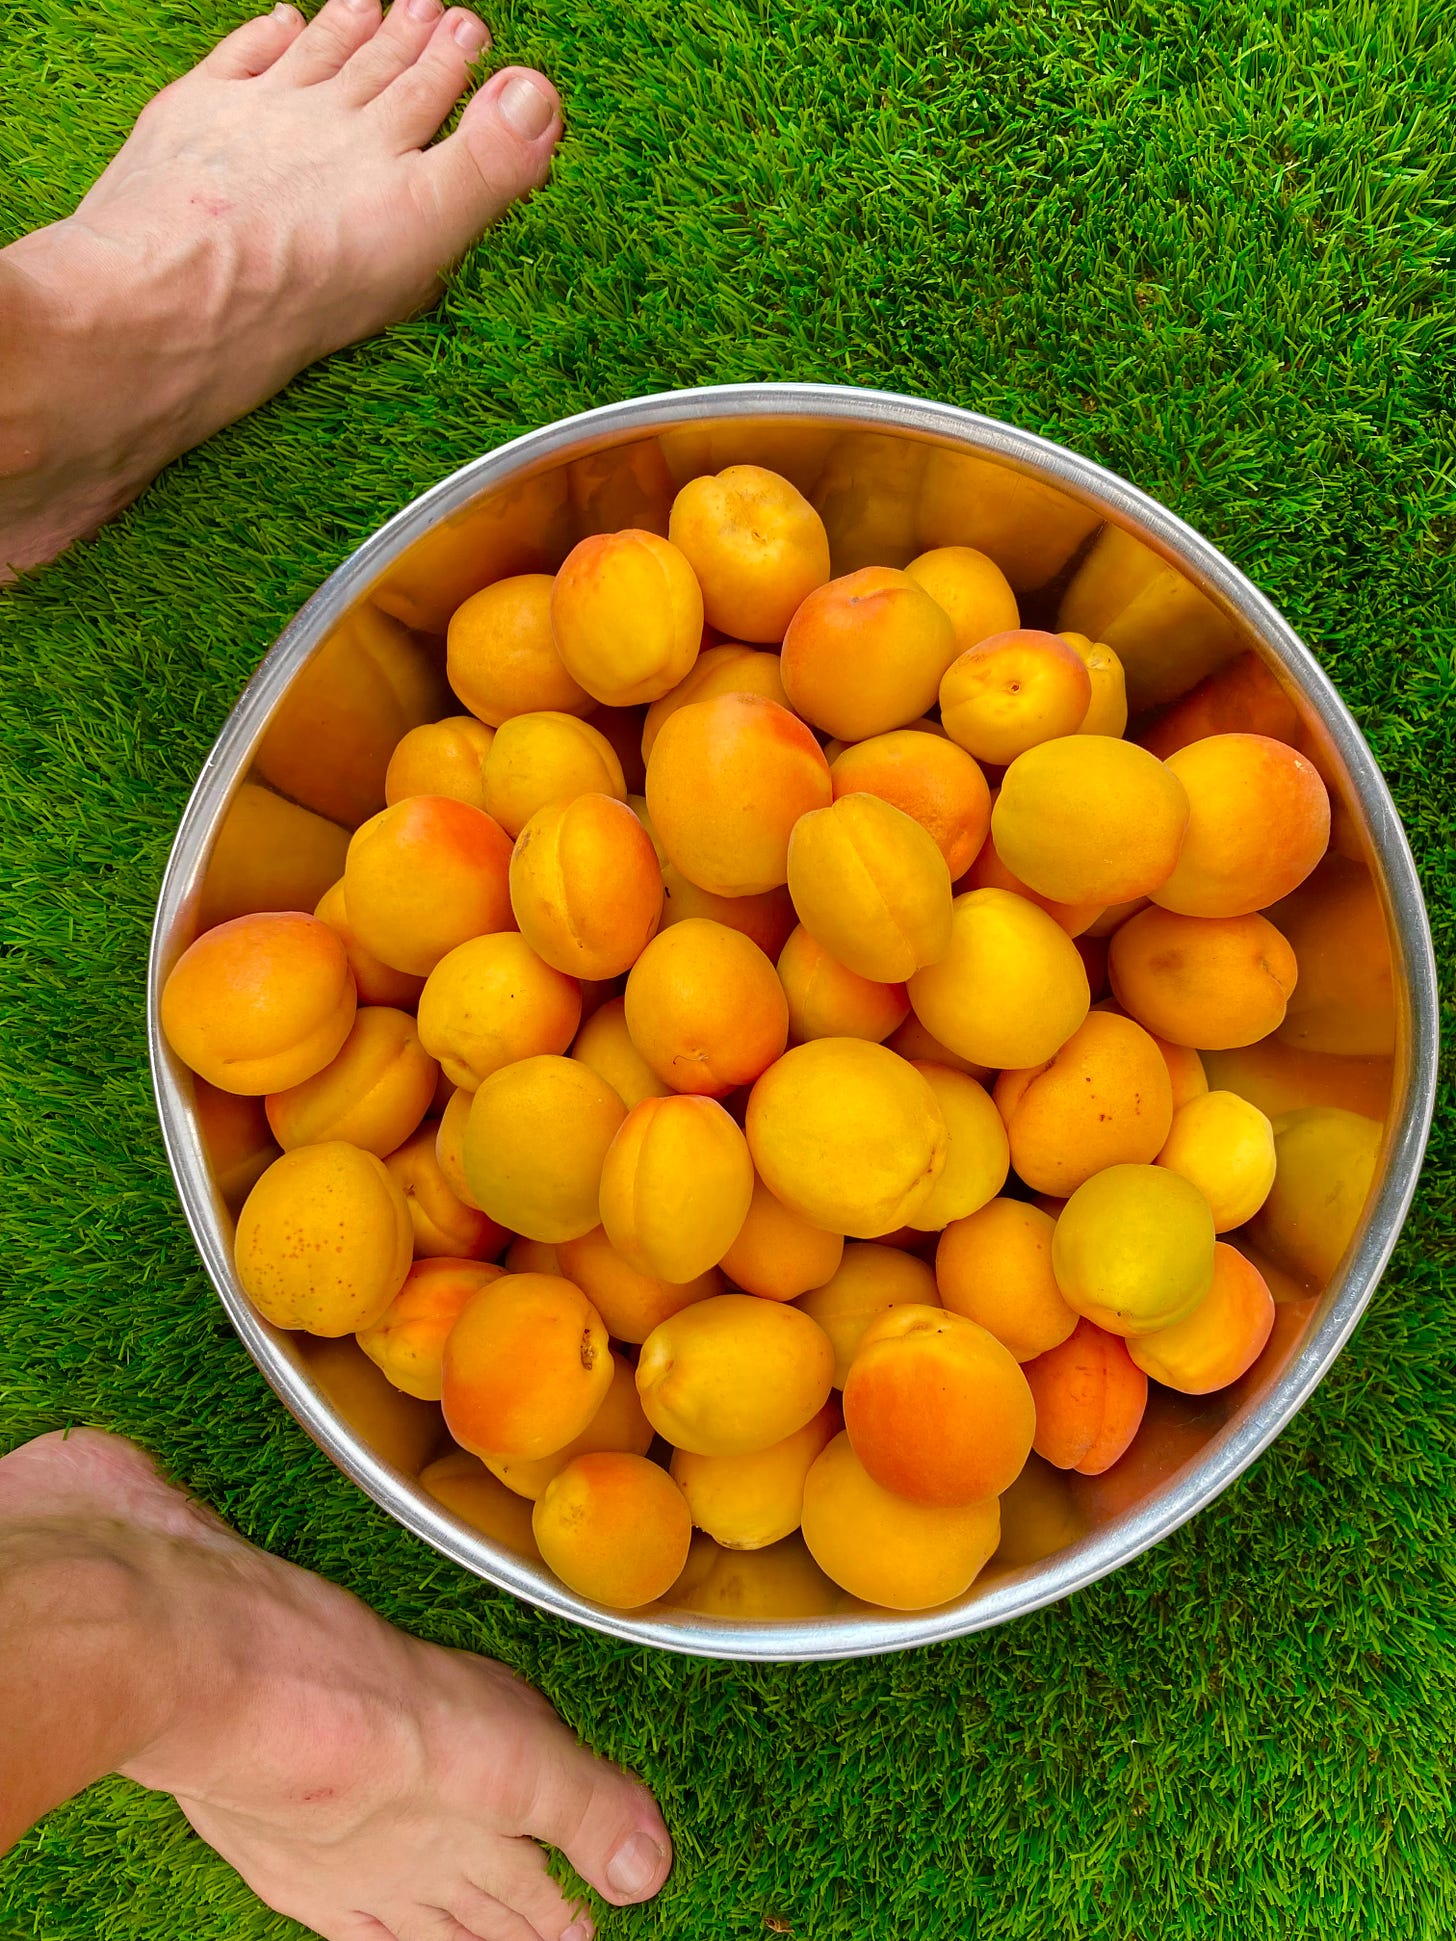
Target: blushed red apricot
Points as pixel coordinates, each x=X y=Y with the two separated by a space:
x=971 y=589
x=501 y=656
x=865 y=653
x=630 y=1301
x=675 y=1186
x=1103 y=1099
x=407 y=1342
x=585 y=886
x=260 y=1003
x=468 y=1490
x=1133 y=1249
x=731 y=668
x=1090 y=1396
x=733 y=1375
x=605 y=1044
x=977 y=1156
x=443 y=1224
x=626 y=616
x=614 y=1528
x=440 y=758
x=727 y=782
x=1012 y=691
x=375 y=981
x=538 y=759
x=324 y=1240
x=373 y=1094
x=936 y=1408
x=424 y=876
x=1225 y=1147
x=1208 y=982
x=526 y=1367
x=705 y=1008
x=827 y=1000
x=1011 y=988
x=535 y=1141
x=1258 y=822
x=1107 y=712
x=1090 y=819
x=995 y=1268
x=870 y=886
x=757 y=546
x=989 y=872
x=778 y=1254
x=491 y=1001
x=747 y=1502
x=928 y=778
x=1222 y=1338
x=869 y=1280
x=618 y=1424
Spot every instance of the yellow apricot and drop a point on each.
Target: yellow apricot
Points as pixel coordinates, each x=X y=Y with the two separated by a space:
x=501 y=657
x=1133 y=1249
x=1225 y=1147
x=995 y=1267
x=733 y=1375
x=536 y=1137
x=778 y=1254
x=929 y=778
x=1105 y=1098
x=865 y=653
x=675 y=1186
x=407 y=1342
x=629 y=1301
x=1011 y=692
x=1090 y=819
x=1222 y=1338
x=324 y=1240
x=971 y=589
x=444 y=1226
x=870 y=886
x=747 y=1502
x=424 y=876
x=537 y=759
x=1209 y=982
x=977 y=1156
x=757 y=546
x=1010 y=990
x=605 y=1044
x=626 y=616
x=468 y=1490
x=846 y=1134
x=372 y=1095
x=618 y=1424
x=526 y=1367
x=440 y=758
x=614 y=1528
x=1107 y=714
x=1325 y=1169
x=869 y=1280
x=585 y=886
x=491 y=1001
x=705 y=1008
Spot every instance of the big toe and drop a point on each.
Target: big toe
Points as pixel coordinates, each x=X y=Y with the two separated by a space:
x=606 y=1824
x=500 y=152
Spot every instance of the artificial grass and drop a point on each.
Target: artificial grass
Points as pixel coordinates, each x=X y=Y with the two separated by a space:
x=1203 y=243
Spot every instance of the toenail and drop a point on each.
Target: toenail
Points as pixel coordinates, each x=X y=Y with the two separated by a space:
x=581 y=1930
x=525 y=108
x=470 y=34
x=634 y=1866
x=424 y=9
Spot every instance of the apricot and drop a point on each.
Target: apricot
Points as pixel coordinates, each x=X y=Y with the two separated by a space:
x=1345 y=1000
x=1222 y=1338
x=870 y=886
x=268 y=854
x=630 y=1302
x=876 y=1545
x=376 y=982
x=731 y=668
x=1325 y=1164
x=929 y=779
x=324 y=1240
x=1209 y=982
x=970 y=589
x=373 y=1094
x=1089 y=819
x=747 y=1502
x=1241 y=697
x=424 y=876
x=765 y=919
x=733 y=1375
x=501 y=656
x=865 y=653
x=936 y=1408
x=450 y=1148
x=675 y=1186
x=989 y=872
x=977 y=1157
x=913 y=1041
x=1090 y=1395
x=1225 y=1147
x=393 y=1426
x=535 y=1140
x=1104 y=1098
x=1292 y=1319
x=1175 y=1430
x=1166 y=633
x=1013 y=691
x=463 y=1484
x=705 y=1008
x=236 y=1138
x=626 y=616
x=728 y=780
x=1011 y=988
x=1133 y=1249
x=618 y=1424
x=780 y=1581
x=827 y=1000
x=1039 y=1516
x=605 y=1045
x=407 y=1342
x=260 y=1003
x=1258 y=822
x=869 y=1280
x=585 y=886
x=847 y=1135
x=757 y=546
x=1107 y=712
x=995 y=1267
x=491 y=1001
x=538 y=759
x=1281 y=1078
x=440 y=758
x=443 y=1224
x=614 y=1528
x=1029 y=527
x=526 y=1367
x=778 y=1254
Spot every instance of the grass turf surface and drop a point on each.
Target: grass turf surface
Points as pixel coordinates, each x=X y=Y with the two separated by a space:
x=1200 y=242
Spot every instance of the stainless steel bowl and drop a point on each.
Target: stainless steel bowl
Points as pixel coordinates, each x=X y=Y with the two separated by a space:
x=891 y=475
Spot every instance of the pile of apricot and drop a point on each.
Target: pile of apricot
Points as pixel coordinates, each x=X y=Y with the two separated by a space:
x=749 y=1073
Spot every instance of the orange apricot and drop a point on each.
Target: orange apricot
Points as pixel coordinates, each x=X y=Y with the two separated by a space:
x=443 y=1224
x=630 y=1301
x=675 y=1186
x=626 y=616
x=1208 y=982
x=618 y=1424
x=977 y=1157
x=376 y=982
x=1090 y=1395
x=1222 y=1338
x=1104 y=1098
x=731 y=668
x=501 y=656
x=463 y=1484
x=585 y=886
x=865 y=653
x=408 y=1340
x=373 y=1094
x=936 y=1408
x=535 y=1140
x=605 y=1044
x=1174 y=1430
x=1090 y=819
x=1013 y=691
x=1011 y=988
x=928 y=778
x=236 y=1138
x=778 y=1254
x=424 y=876
x=846 y=1134
x=705 y=1008
x=1325 y=1163
x=757 y=546
x=971 y=589
x=324 y=1240
x=614 y=1528
x=260 y=1003
x=989 y=872
x=869 y=1280
x=1107 y=712
x=491 y=1001
x=1258 y=822
x=450 y=1146
x=440 y=758
x=913 y=1041
x=765 y=919
x=870 y=886
x=827 y=1000
x=1133 y=1249
x=995 y=1267
x=1345 y=1000
x=728 y=780
x=1225 y=1147
x=538 y=759
x=747 y=1502
x=526 y=1366
x=733 y=1375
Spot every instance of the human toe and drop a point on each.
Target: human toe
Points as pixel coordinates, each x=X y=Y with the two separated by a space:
x=406 y=33
x=336 y=32
x=512 y=1874
x=608 y=1827
x=415 y=104
x=252 y=49
x=500 y=152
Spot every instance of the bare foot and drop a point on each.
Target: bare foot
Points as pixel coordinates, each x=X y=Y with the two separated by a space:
x=366 y=1784
x=270 y=206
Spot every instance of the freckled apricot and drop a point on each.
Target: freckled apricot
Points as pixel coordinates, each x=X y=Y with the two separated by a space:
x=827 y=1000
x=626 y=616
x=1209 y=982
x=1104 y=1098
x=535 y=1140
x=440 y=758
x=408 y=1340
x=373 y=1094
x=675 y=1186
x=747 y=1502
x=614 y=1528
x=705 y=1008
x=1225 y=1147
x=1222 y=1338
x=443 y=1224
x=585 y=886
x=971 y=589
x=778 y=1254
x=1133 y=1249
x=424 y=876
x=501 y=657
x=629 y=1301
x=928 y=778
x=324 y=1240
x=865 y=653
x=376 y=982
x=995 y=1267
x=733 y=1375
x=526 y=1367
x=1012 y=691
x=870 y=886
x=1090 y=819
x=491 y=1001
x=1011 y=988
x=1258 y=822
x=757 y=546
x=1090 y=1395
x=869 y=1280
x=618 y=1424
